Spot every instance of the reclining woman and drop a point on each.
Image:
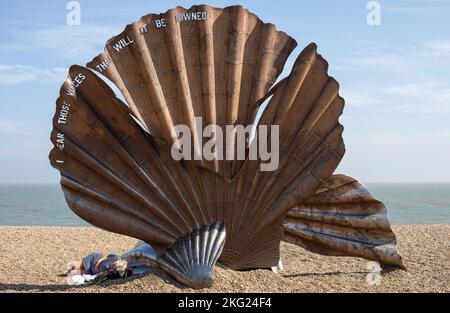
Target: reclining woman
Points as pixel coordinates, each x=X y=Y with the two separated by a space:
x=110 y=266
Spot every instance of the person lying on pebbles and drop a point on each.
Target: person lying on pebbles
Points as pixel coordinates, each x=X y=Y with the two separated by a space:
x=96 y=264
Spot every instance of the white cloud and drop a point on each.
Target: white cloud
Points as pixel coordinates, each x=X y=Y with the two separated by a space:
x=19 y=73
x=13 y=47
x=69 y=42
x=434 y=10
x=63 y=41
x=420 y=98
x=10 y=127
x=359 y=98
x=422 y=7
x=411 y=90
x=378 y=61
x=73 y=41
x=439 y=47
x=418 y=57
x=407 y=80
x=407 y=98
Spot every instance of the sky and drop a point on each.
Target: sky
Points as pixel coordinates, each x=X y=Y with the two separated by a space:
x=394 y=77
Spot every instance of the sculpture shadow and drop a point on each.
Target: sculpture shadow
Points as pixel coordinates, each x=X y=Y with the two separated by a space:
x=74 y=288
x=324 y=274
x=385 y=271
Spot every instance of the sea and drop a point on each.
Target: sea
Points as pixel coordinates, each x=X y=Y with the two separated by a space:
x=44 y=204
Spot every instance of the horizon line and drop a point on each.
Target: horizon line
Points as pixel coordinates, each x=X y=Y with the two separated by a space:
x=362 y=182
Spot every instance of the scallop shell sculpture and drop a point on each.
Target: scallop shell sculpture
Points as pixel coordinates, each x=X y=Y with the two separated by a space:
x=116 y=164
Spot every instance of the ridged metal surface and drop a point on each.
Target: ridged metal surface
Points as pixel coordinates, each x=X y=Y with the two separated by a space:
x=343 y=218
x=217 y=68
x=141 y=255
x=118 y=177
x=190 y=260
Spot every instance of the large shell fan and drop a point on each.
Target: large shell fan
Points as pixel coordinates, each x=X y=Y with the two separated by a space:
x=204 y=62
x=115 y=177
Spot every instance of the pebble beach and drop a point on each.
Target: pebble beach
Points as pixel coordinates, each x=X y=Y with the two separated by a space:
x=33 y=259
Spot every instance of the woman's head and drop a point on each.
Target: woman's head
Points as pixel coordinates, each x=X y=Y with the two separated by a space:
x=119 y=268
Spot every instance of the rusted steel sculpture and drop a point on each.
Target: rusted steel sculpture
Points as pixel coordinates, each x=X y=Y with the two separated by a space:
x=117 y=171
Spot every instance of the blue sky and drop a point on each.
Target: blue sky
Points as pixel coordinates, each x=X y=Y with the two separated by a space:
x=395 y=77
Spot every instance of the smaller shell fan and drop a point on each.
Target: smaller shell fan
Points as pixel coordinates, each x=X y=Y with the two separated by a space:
x=343 y=219
x=190 y=260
